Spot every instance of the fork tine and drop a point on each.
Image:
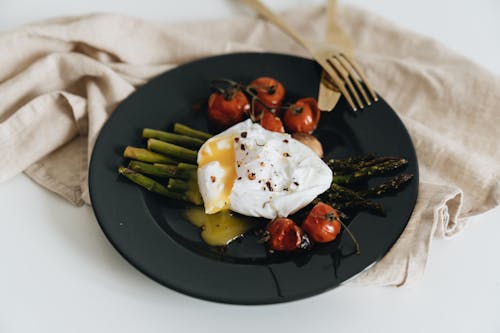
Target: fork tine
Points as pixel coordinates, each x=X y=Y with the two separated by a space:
x=327 y=80
x=362 y=76
x=337 y=80
x=356 y=81
x=344 y=72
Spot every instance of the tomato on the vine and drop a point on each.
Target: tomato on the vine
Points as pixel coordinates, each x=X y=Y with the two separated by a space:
x=322 y=224
x=270 y=91
x=284 y=235
x=228 y=108
x=271 y=122
x=302 y=116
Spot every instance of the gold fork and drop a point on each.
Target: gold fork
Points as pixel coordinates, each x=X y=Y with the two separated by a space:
x=328 y=94
x=344 y=72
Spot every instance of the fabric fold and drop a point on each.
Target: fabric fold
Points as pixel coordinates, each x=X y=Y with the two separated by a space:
x=435 y=215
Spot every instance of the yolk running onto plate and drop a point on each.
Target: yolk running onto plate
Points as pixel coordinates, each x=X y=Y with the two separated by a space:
x=220 y=150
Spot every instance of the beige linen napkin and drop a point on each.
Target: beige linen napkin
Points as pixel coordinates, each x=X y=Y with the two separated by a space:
x=60 y=80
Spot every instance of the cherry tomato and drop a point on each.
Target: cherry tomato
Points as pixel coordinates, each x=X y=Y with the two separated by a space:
x=302 y=116
x=322 y=224
x=284 y=235
x=269 y=91
x=271 y=123
x=228 y=108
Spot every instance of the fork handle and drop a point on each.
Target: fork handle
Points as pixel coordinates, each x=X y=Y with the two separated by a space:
x=264 y=11
x=334 y=33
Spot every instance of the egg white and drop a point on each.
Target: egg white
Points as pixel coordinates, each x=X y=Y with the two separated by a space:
x=276 y=175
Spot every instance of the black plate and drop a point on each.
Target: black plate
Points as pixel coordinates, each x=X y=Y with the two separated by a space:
x=150 y=233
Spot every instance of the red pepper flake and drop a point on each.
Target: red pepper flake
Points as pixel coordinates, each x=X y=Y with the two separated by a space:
x=285 y=141
x=213 y=179
x=242 y=147
x=243 y=134
x=269 y=187
x=251 y=176
x=236 y=139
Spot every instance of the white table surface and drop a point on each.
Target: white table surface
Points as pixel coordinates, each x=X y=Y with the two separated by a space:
x=60 y=274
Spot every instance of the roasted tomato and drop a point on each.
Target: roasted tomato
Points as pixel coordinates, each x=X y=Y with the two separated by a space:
x=269 y=91
x=322 y=224
x=302 y=116
x=271 y=122
x=228 y=108
x=284 y=235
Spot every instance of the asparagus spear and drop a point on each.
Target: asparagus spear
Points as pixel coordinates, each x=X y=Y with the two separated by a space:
x=158 y=170
x=181 y=171
x=340 y=193
x=187 y=167
x=177 y=185
x=340 y=167
x=368 y=171
x=145 y=155
x=342 y=197
x=177 y=139
x=181 y=153
x=375 y=161
x=352 y=204
x=185 y=130
x=348 y=162
x=191 y=194
x=391 y=185
x=189 y=185
x=150 y=184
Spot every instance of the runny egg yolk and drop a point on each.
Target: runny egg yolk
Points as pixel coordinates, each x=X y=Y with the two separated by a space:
x=220 y=150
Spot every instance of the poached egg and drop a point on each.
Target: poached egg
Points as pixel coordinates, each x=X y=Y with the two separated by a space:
x=256 y=172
